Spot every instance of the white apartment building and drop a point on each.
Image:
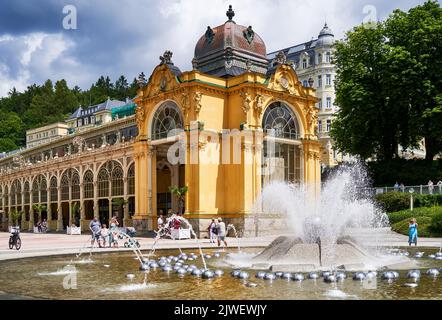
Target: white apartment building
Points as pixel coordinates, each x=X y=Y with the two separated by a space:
x=46 y=134
x=313 y=63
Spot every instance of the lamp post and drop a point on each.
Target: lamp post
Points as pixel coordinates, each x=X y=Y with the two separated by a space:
x=411 y=198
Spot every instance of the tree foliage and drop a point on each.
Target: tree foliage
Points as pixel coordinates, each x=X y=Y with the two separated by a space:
x=40 y=105
x=388 y=85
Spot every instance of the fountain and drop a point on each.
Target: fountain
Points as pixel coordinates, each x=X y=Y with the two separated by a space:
x=322 y=232
x=165 y=231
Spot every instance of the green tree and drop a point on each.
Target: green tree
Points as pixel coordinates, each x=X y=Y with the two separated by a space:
x=121 y=88
x=368 y=119
x=418 y=33
x=39 y=208
x=181 y=194
x=15 y=217
x=11 y=131
x=388 y=85
x=65 y=100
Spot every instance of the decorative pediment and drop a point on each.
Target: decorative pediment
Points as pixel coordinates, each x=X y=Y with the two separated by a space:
x=161 y=80
x=285 y=79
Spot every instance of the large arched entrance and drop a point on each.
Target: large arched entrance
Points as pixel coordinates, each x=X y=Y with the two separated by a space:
x=283 y=147
x=167 y=123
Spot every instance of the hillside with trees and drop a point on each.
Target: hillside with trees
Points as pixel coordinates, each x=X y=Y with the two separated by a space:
x=40 y=105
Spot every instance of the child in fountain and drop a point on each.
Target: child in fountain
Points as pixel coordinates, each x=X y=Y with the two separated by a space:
x=412 y=232
x=104 y=234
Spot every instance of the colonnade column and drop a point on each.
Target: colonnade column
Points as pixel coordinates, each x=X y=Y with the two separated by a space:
x=126 y=218
x=23 y=215
x=48 y=208
x=59 y=210
x=110 y=209
x=82 y=213
x=31 y=212
x=96 y=208
x=143 y=194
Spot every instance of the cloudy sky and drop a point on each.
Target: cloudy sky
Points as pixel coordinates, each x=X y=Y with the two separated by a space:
x=115 y=37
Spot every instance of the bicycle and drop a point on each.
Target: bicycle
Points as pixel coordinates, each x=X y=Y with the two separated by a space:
x=14 y=238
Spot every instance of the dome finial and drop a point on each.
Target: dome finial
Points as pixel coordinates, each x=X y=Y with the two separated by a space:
x=230 y=13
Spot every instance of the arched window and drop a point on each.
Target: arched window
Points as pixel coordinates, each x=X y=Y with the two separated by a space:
x=53 y=189
x=279 y=117
x=131 y=179
x=319 y=58
x=103 y=182
x=305 y=83
x=166 y=118
x=35 y=191
x=64 y=185
x=15 y=193
x=27 y=193
x=117 y=181
x=39 y=190
x=75 y=186
x=43 y=191
x=88 y=183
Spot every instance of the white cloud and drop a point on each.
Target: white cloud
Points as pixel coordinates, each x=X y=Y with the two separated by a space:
x=41 y=56
x=128 y=38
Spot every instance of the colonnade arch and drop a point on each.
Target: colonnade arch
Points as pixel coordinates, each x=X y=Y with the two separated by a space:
x=71 y=195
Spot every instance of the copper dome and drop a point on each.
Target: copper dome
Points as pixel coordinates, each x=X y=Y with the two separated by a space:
x=228 y=46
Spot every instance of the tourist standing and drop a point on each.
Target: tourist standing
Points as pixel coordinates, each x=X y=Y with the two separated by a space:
x=221 y=231
x=212 y=231
x=160 y=222
x=439 y=184
x=430 y=187
x=94 y=226
x=402 y=186
x=412 y=232
x=104 y=234
x=396 y=186
x=113 y=232
x=44 y=226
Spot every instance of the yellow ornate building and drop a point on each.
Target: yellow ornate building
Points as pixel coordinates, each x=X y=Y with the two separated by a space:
x=232 y=95
x=232 y=125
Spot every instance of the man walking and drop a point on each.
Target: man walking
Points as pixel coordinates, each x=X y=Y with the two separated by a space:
x=221 y=229
x=95 y=228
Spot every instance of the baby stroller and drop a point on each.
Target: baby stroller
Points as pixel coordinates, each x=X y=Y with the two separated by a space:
x=131 y=242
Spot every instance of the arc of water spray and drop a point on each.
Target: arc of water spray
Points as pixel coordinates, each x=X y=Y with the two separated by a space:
x=161 y=232
x=231 y=226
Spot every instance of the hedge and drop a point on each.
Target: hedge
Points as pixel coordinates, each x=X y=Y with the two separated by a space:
x=428 y=219
x=396 y=201
x=423 y=228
